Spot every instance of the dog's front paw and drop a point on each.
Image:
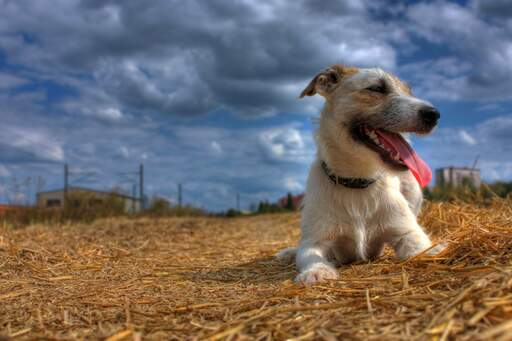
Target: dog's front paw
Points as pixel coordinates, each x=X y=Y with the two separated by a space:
x=287 y=255
x=437 y=249
x=316 y=274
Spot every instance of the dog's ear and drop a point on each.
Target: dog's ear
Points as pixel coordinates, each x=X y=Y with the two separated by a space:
x=324 y=82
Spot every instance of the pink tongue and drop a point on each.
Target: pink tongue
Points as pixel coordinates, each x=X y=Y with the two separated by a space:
x=416 y=165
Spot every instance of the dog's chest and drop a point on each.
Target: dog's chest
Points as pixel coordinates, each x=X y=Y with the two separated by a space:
x=356 y=217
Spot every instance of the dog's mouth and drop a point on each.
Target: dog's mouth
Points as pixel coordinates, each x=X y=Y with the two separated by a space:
x=394 y=150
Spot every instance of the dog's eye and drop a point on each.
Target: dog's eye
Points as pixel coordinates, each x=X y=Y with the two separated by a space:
x=333 y=77
x=377 y=88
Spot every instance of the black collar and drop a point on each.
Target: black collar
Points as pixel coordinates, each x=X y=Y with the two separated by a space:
x=347 y=182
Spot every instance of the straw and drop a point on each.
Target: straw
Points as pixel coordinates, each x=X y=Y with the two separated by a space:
x=214 y=278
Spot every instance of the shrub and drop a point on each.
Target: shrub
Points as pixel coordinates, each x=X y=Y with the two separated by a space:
x=161 y=207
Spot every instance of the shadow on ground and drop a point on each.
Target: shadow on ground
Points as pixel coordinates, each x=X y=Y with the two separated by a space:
x=258 y=271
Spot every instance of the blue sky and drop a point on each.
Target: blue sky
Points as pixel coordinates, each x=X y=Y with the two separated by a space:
x=205 y=93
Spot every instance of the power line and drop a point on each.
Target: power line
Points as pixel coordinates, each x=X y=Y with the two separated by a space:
x=86 y=177
x=129 y=177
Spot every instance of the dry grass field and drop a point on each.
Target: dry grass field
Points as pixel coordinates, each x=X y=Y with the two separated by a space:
x=212 y=278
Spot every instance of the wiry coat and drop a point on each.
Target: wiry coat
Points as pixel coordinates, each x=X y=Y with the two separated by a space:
x=339 y=224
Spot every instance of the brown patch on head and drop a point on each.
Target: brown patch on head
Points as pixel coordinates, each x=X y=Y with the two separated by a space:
x=401 y=85
x=368 y=101
x=325 y=82
x=372 y=99
x=344 y=70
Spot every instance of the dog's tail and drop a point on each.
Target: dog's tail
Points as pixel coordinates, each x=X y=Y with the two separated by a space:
x=287 y=255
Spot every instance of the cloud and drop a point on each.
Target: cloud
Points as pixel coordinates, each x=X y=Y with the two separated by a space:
x=124 y=151
x=294 y=185
x=22 y=144
x=285 y=144
x=4 y=171
x=487 y=74
x=193 y=57
x=497 y=130
x=367 y=54
x=466 y=138
x=489 y=140
x=216 y=148
x=8 y=81
x=113 y=114
x=250 y=58
x=212 y=162
x=494 y=9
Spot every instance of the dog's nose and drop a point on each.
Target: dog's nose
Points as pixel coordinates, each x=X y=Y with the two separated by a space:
x=429 y=115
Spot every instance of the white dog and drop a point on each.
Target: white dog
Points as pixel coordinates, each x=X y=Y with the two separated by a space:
x=364 y=188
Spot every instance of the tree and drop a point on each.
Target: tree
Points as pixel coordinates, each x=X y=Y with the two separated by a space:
x=289 y=202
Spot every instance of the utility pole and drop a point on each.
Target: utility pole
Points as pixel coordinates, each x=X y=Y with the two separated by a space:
x=66 y=181
x=475 y=163
x=180 y=198
x=238 y=202
x=141 y=185
x=134 y=194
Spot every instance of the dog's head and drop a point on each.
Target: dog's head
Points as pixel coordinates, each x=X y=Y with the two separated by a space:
x=374 y=108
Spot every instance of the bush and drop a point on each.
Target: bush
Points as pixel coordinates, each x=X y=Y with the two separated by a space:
x=469 y=193
x=79 y=207
x=266 y=207
x=161 y=207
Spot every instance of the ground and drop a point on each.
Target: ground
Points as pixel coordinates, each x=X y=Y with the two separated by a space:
x=212 y=278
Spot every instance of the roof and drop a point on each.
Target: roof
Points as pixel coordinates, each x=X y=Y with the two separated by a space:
x=460 y=168
x=90 y=190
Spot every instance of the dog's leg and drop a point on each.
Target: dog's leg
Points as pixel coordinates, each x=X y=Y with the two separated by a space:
x=408 y=238
x=313 y=264
x=411 y=243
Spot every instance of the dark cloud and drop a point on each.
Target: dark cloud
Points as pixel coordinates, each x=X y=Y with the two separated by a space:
x=494 y=9
x=193 y=57
x=483 y=48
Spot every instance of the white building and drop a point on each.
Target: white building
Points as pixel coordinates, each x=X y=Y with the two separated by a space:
x=55 y=198
x=457 y=176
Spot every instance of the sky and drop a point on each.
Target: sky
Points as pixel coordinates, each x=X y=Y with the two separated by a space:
x=205 y=93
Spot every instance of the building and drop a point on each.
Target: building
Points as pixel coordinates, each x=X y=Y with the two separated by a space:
x=457 y=176
x=55 y=199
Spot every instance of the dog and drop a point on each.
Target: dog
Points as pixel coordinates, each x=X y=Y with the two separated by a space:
x=364 y=188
